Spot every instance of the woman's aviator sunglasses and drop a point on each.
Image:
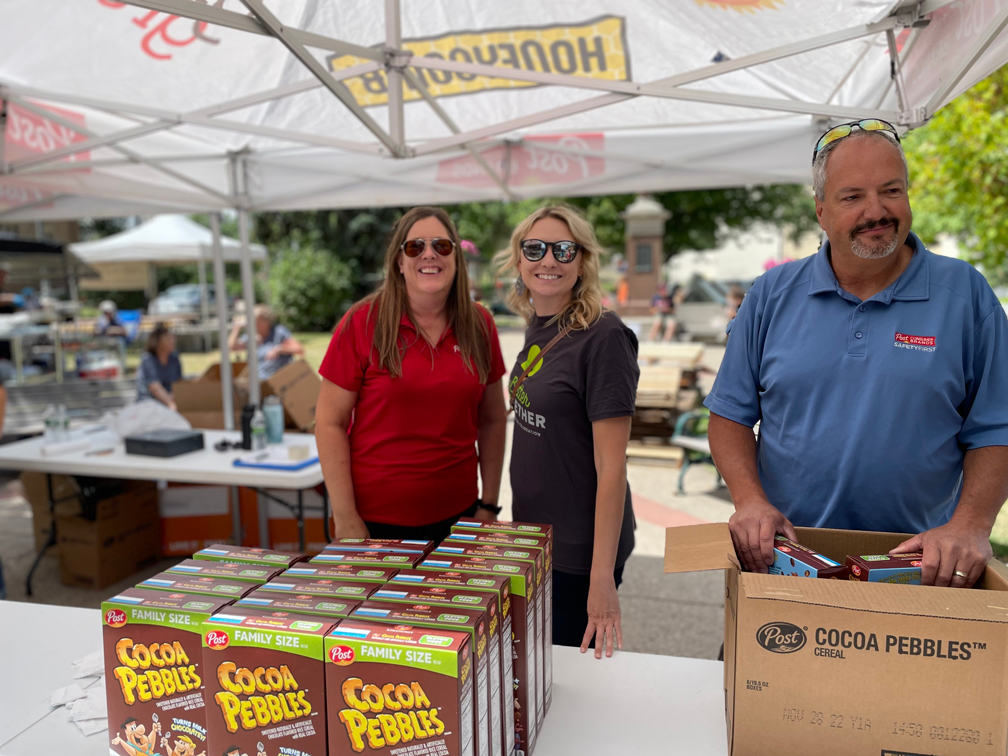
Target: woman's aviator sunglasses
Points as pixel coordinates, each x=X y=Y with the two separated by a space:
x=535 y=250
x=416 y=247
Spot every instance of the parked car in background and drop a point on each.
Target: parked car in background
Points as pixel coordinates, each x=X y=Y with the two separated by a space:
x=181 y=299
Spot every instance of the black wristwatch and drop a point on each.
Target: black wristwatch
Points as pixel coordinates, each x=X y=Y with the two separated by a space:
x=488 y=507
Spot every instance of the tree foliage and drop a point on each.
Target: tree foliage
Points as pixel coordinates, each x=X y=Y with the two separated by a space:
x=959 y=173
x=309 y=288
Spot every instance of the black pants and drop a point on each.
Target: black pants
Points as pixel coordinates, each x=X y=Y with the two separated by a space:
x=436 y=531
x=570 y=606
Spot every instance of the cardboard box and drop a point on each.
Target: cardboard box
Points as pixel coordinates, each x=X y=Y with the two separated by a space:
x=795 y=560
x=265 y=683
x=242 y=573
x=297 y=386
x=822 y=666
x=196 y=584
x=428 y=676
x=487 y=737
x=499 y=589
x=351 y=572
x=523 y=632
x=154 y=677
x=902 y=569
x=193 y=517
x=270 y=601
x=334 y=589
x=225 y=552
x=36 y=491
x=368 y=559
x=488 y=605
x=121 y=540
x=199 y=400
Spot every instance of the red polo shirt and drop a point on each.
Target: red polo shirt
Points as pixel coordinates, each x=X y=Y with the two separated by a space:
x=413 y=439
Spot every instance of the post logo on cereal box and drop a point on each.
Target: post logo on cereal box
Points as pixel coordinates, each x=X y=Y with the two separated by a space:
x=341 y=655
x=781 y=637
x=217 y=640
x=115 y=618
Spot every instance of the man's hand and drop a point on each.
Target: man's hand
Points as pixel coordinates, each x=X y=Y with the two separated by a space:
x=603 y=616
x=960 y=547
x=274 y=353
x=753 y=527
x=349 y=525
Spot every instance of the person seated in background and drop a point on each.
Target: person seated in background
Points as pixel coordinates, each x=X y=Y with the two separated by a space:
x=733 y=301
x=664 y=325
x=159 y=368
x=108 y=323
x=276 y=347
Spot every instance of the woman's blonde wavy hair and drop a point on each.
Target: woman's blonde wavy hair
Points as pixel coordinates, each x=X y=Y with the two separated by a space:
x=585 y=306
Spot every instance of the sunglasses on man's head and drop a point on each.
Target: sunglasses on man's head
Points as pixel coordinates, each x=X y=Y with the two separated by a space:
x=535 y=250
x=416 y=247
x=846 y=129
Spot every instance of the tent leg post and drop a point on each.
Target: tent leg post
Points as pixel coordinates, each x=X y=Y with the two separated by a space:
x=204 y=303
x=248 y=290
x=227 y=397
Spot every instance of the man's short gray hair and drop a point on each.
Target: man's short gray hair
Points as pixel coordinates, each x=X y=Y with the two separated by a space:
x=819 y=164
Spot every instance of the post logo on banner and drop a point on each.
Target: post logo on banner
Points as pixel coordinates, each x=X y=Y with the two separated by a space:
x=596 y=49
x=745 y=6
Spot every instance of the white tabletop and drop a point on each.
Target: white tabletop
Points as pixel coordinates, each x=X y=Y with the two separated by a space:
x=637 y=704
x=206 y=466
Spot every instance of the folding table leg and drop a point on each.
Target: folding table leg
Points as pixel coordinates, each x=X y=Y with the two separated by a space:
x=301 y=522
x=325 y=513
x=50 y=541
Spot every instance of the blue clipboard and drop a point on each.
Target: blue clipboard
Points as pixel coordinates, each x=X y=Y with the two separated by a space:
x=294 y=466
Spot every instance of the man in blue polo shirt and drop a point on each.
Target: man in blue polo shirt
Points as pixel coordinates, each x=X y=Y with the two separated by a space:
x=878 y=372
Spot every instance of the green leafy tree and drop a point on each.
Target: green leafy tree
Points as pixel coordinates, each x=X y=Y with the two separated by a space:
x=959 y=173
x=309 y=288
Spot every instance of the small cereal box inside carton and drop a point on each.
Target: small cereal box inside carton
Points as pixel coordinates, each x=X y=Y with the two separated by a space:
x=900 y=569
x=865 y=640
x=791 y=558
x=154 y=674
x=265 y=686
x=399 y=689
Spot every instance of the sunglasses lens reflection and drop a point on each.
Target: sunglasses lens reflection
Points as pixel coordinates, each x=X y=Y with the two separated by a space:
x=414 y=247
x=442 y=246
x=533 y=250
x=565 y=251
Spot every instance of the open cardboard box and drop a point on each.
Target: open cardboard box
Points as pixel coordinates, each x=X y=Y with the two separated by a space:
x=844 y=668
x=199 y=400
x=297 y=386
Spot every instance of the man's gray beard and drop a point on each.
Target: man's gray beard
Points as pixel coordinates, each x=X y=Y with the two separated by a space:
x=874 y=252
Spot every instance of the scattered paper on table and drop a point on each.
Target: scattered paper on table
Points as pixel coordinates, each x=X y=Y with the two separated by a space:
x=61 y=696
x=91 y=726
x=92 y=706
x=91 y=665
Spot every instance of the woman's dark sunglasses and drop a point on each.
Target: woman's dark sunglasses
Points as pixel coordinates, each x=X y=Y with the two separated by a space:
x=416 y=247
x=564 y=251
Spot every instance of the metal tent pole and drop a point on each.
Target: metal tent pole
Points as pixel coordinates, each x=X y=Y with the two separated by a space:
x=248 y=284
x=204 y=303
x=227 y=397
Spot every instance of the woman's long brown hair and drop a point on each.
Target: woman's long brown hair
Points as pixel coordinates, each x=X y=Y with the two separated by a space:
x=390 y=301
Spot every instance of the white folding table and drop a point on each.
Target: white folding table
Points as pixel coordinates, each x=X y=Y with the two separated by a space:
x=106 y=457
x=638 y=704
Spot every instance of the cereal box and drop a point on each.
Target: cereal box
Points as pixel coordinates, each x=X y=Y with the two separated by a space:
x=211 y=586
x=341 y=589
x=399 y=689
x=352 y=572
x=297 y=604
x=223 y=552
x=396 y=545
x=791 y=558
x=154 y=674
x=499 y=590
x=265 y=684
x=523 y=629
x=370 y=558
x=904 y=569
x=243 y=573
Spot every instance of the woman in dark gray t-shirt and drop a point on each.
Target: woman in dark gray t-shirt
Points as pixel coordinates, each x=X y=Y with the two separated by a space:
x=159 y=368
x=572 y=421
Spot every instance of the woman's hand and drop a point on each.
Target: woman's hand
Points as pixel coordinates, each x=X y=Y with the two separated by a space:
x=484 y=515
x=349 y=525
x=603 y=616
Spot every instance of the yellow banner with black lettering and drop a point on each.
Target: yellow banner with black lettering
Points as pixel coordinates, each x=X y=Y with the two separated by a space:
x=595 y=48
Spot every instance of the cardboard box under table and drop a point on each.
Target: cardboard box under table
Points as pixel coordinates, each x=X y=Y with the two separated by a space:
x=848 y=668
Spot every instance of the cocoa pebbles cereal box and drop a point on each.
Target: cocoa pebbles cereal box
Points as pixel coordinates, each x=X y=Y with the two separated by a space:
x=242 y=573
x=223 y=552
x=487 y=735
x=395 y=545
x=265 y=685
x=353 y=573
x=369 y=558
x=210 y=586
x=498 y=590
x=398 y=690
x=270 y=601
x=902 y=569
x=154 y=675
x=791 y=558
x=523 y=628
x=323 y=587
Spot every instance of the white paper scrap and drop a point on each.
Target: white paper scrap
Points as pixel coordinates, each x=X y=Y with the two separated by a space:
x=91 y=726
x=91 y=665
x=61 y=696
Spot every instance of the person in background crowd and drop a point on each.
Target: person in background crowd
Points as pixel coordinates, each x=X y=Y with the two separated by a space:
x=108 y=323
x=9 y=302
x=159 y=368
x=276 y=347
x=878 y=373
x=733 y=301
x=411 y=402
x=573 y=391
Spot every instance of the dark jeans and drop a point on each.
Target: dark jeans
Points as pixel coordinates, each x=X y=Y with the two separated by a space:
x=570 y=606
x=436 y=531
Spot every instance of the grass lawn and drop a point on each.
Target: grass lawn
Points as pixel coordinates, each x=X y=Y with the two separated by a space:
x=315 y=344
x=999 y=536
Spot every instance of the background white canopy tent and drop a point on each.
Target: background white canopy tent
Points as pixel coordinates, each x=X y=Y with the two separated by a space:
x=177 y=105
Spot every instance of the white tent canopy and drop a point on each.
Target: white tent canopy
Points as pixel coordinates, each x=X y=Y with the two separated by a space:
x=162 y=239
x=178 y=105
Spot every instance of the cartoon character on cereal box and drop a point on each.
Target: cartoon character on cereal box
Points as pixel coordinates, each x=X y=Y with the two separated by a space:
x=236 y=751
x=134 y=738
x=183 y=746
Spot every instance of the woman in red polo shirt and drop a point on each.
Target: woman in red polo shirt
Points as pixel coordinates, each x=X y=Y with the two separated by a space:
x=412 y=402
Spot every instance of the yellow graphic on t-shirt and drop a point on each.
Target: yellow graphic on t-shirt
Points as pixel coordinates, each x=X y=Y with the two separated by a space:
x=532 y=354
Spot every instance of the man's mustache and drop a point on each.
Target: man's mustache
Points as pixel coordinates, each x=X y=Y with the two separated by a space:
x=872 y=225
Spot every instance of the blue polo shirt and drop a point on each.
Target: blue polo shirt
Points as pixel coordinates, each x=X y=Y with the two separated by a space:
x=867 y=408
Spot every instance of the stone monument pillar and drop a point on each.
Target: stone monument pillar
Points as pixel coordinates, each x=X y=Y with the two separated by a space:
x=645 y=229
